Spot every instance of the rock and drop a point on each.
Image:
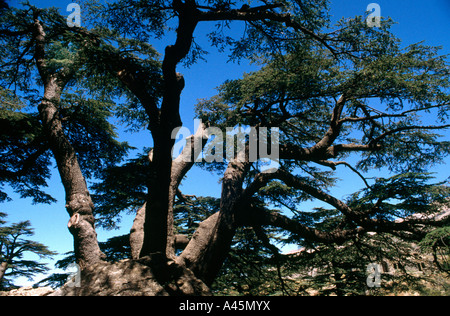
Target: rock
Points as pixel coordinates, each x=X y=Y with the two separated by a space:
x=28 y=291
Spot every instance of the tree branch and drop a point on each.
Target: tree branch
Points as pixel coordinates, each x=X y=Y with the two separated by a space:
x=39 y=52
x=333 y=164
x=184 y=162
x=293 y=181
x=259 y=216
x=262 y=236
x=405 y=128
x=335 y=127
x=261 y=13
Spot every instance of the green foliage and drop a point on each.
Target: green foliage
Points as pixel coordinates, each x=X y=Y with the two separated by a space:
x=250 y=268
x=438 y=242
x=122 y=188
x=86 y=123
x=189 y=211
x=390 y=92
x=403 y=195
x=298 y=91
x=24 y=153
x=86 y=108
x=26 y=157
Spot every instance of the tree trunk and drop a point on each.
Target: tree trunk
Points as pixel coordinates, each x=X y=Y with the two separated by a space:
x=78 y=201
x=3 y=267
x=180 y=166
x=157 y=215
x=148 y=276
x=209 y=246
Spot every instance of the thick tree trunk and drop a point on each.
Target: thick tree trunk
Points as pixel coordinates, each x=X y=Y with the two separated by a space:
x=209 y=246
x=78 y=201
x=156 y=226
x=180 y=166
x=3 y=267
x=157 y=215
x=148 y=276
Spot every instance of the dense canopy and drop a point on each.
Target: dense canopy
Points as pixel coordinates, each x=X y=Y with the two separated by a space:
x=348 y=95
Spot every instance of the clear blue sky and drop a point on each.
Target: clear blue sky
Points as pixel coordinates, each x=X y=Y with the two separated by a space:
x=417 y=21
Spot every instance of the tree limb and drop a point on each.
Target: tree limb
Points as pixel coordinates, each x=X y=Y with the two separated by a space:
x=293 y=181
x=333 y=164
x=335 y=127
x=260 y=216
x=307 y=154
x=406 y=128
x=260 y=14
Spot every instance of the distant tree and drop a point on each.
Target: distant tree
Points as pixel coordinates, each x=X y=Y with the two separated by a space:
x=14 y=244
x=438 y=241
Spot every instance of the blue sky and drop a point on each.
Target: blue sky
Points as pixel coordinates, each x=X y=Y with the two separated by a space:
x=417 y=21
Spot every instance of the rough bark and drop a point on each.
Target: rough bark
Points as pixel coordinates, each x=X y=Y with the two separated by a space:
x=3 y=267
x=157 y=209
x=144 y=277
x=209 y=246
x=206 y=251
x=180 y=166
x=196 y=250
x=78 y=201
x=137 y=233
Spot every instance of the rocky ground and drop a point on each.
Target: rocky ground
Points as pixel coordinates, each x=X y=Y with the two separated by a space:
x=28 y=291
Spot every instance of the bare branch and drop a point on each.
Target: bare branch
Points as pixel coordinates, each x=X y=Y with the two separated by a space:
x=333 y=164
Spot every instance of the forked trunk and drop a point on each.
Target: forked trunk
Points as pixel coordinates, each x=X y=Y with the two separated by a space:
x=210 y=244
x=157 y=215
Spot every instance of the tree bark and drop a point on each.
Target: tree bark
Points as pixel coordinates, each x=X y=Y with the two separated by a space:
x=78 y=201
x=156 y=226
x=3 y=267
x=209 y=246
x=180 y=166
